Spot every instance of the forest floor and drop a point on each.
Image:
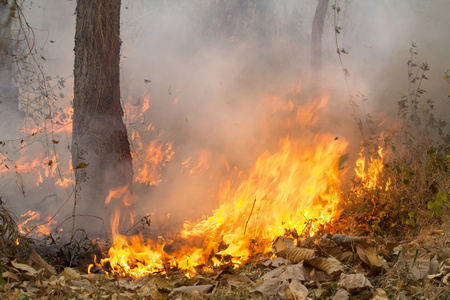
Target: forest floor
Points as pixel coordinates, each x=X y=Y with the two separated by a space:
x=322 y=267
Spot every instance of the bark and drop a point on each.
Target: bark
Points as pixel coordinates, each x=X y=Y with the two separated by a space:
x=100 y=148
x=316 y=47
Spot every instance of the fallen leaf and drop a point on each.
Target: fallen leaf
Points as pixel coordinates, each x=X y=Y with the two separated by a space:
x=417 y=259
x=24 y=267
x=71 y=274
x=354 y=282
x=341 y=294
x=295 y=272
x=271 y=287
x=282 y=243
x=240 y=278
x=188 y=289
x=274 y=273
x=10 y=277
x=296 y=255
x=161 y=283
x=277 y=262
x=329 y=265
x=379 y=294
x=298 y=290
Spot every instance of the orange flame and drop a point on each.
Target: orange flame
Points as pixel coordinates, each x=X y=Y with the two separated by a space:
x=200 y=166
x=28 y=223
x=295 y=187
x=150 y=164
x=369 y=178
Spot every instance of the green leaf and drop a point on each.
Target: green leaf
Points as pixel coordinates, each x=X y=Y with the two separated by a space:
x=22 y=296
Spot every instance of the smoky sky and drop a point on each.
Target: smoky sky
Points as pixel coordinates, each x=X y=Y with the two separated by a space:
x=206 y=66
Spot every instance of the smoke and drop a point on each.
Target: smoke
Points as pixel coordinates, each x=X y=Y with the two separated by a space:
x=207 y=66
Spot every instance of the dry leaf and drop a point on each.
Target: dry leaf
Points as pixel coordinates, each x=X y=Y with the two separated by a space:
x=282 y=243
x=417 y=259
x=298 y=290
x=341 y=294
x=24 y=267
x=271 y=287
x=362 y=255
x=371 y=254
x=297 y=272
x=188 y=289
x=151 y=291
x=434 y=266
x=329 y=247
x=161 y=283
x=71 y=274
x=379 y=294
x=296 y=255
x=329 y=265
x=10 y=277
x=277 y=262
x=354 y=282
x=274 y=273
x=139 y=282
x=240 y=278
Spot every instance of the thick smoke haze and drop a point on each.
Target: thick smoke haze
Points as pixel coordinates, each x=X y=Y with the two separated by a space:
x=206 y=67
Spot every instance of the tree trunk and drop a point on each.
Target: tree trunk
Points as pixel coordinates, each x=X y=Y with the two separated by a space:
x=316 y=48
x=100 y=148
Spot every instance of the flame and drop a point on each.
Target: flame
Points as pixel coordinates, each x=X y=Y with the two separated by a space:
x=150 y=163
x=292 y=187
x=200 y=166
x=285 y=190
x=28 y=223
x=369 y=178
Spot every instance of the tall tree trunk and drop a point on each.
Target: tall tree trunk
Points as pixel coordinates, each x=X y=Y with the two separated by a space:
x=316 y=48
x=100 y=148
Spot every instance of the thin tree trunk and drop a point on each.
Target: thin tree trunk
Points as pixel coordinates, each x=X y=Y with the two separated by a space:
x=316 y=48
x=100 y=148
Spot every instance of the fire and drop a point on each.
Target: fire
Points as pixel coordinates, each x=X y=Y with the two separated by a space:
x=202 y=164
x=40 y=167
x=285 y=190
x=151 y=162
x=28 y=224
x=292 y=187
x=369 y=178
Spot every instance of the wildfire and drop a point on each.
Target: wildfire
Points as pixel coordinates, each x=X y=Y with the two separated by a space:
x=151 y=162
x=202 y=164
x=28 y=223
x=369 y=178
x=292 y=188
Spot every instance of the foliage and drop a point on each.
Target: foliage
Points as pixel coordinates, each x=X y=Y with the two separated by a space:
x=436 y=206
x=412 y=182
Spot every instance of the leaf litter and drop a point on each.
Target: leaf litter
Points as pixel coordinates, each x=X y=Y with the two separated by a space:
x=331 y=267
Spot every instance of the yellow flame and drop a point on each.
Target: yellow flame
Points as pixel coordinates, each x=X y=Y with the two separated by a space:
x=289 y=189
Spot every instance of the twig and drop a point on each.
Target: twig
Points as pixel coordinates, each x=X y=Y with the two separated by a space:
x=144 y=220
x=246 y=223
